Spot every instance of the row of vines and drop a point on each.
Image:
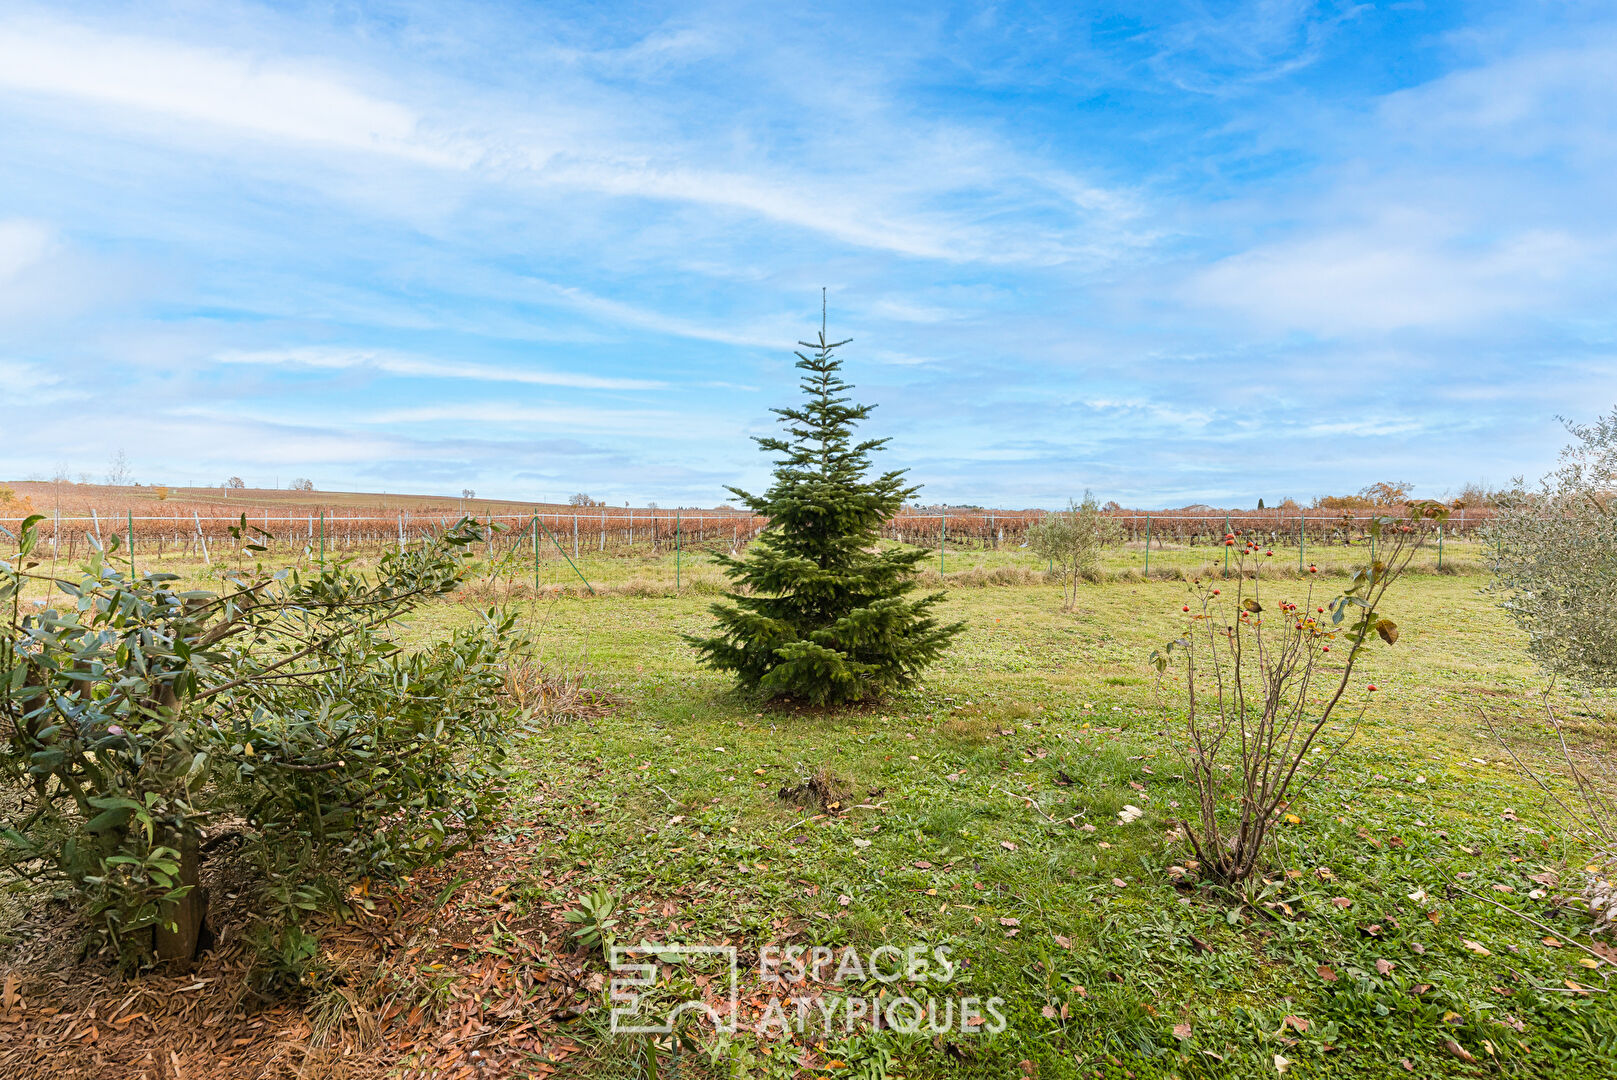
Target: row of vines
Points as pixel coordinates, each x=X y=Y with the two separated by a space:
x=620 y=531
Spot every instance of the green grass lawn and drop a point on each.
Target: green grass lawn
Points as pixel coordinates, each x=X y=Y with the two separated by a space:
x=957 y=833
x=981 y=814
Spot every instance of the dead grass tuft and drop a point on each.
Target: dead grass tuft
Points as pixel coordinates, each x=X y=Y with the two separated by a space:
x=825 y=790
x=550 y=694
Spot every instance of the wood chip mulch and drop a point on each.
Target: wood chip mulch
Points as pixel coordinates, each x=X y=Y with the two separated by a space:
x=478 y=985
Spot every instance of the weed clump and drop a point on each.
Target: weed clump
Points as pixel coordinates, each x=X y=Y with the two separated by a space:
x=824 y=790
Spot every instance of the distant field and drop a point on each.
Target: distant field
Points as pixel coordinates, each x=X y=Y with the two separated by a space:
x=80 y=499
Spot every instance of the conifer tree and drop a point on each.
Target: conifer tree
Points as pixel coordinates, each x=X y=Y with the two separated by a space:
x=820 y=612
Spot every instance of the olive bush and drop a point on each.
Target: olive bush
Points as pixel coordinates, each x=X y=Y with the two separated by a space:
x=1072 y=540
x=136 y=715
x=1555 y=557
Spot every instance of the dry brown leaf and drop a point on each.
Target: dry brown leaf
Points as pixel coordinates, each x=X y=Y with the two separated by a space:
x=1459 y=1051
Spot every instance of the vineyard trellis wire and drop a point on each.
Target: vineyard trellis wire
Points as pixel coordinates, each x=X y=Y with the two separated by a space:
x=629 y=531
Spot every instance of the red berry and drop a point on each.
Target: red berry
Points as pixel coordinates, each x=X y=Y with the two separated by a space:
x=1327 y=648
x=1372 y=688
x=1185 y=608
x=1215 y=592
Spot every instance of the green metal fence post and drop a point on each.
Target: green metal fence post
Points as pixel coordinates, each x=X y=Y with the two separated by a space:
x=1302 y=528
x=1148 y=547
x=676 y=550
x=1226 y=546
x=131 y=543
x=1440 y=547
x=943 y=537
x=322 y=538
x=536 y=557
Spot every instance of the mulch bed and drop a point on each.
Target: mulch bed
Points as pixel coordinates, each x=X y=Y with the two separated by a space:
x=477 y=985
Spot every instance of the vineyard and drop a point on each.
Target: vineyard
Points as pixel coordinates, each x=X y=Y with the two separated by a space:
x=207 y=523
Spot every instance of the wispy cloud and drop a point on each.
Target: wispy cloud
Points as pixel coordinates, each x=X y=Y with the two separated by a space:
x=319 y=104
x=336 y=358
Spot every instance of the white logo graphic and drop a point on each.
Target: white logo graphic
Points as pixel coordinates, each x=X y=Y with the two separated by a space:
x=634 y=973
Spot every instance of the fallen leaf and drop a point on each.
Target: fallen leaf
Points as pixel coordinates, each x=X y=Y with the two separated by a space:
x=1384 y=967
x=1553 y=943
x=1342 y=902
x=1006 y=920
x=1181 y=1031
x=1475 y=947
x=1064 y=942
x=1296 y=1022
x=1459 y=1051
x=1281 y=1064
x=1007 y=845
x=1325 y=972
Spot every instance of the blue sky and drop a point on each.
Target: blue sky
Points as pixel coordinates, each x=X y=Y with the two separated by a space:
x=1171 y=252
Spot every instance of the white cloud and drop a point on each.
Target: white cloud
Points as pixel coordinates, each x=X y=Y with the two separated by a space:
x=1562 y=99
x=23 y=244
x=29 y=384
x=552 y=417
x=900 y=193
x=1391 y=275
x=272 y=98
x=619 y=313
x=403 y=364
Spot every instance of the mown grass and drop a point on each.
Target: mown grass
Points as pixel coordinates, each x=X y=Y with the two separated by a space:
x=672 y=799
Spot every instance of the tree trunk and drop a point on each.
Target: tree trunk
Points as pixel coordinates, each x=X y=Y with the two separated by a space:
x=187 y=915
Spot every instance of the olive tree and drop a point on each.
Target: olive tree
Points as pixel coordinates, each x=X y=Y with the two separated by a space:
x=1072 y=540
x=1555 y=557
